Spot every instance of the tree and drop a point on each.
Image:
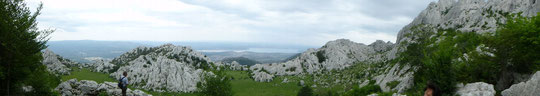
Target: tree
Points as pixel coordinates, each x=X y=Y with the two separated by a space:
x=518 y=42
x=305 y=91
x=516 y=47
x=21 y=43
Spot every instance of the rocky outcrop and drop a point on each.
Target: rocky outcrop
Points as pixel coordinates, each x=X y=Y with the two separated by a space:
x=101 y=65
x=262 y=76
x=398 y=73
x=475 y=89
x=232 y=66
x=469 y=15
x=381 y=46
x=527 y=88
x=73 y=87
x=337 y=54
x=57 y=64
x=164 y=68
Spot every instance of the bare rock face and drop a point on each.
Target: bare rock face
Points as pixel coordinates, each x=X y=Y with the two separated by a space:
x=73 y=87
x=476 y=89
x=470 y=15
x=164 y=68
x=57 y=64
x=527 y=88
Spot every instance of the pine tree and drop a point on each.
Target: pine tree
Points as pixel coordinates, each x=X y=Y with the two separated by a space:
x=21 y=43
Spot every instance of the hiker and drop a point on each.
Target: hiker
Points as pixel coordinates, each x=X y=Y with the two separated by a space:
x=431 y=90
x=123 y=83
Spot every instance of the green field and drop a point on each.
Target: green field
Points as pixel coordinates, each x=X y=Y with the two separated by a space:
x=242 y=85
x=86 y=74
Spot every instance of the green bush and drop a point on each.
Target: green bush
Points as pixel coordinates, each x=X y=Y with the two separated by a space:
x=305 y=91
x=217 y=85
x=434 y=54
x=518 y=42
x=320 y=56
x=366 y=90
x=392 y=84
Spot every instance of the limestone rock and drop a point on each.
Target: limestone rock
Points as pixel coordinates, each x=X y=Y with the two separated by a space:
x=56 y=64
x=527 y=88
x=476 y=89
x=232 y=66
x=101 y=65
x=403 y=76
x=262 y=76
x=73 y=87
x=163 y=68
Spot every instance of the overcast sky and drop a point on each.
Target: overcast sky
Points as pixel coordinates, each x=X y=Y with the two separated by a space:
x=303 y=22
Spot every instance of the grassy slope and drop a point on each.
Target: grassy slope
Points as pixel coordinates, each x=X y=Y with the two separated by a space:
x=242 y=85
x=86 y=74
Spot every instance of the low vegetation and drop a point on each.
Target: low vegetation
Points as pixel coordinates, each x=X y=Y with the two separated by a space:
x=216 y=85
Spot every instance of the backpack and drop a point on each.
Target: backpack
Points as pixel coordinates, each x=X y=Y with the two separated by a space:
x=120 y=85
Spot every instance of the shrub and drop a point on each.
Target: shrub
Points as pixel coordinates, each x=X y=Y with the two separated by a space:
x=518 y=42
x=320 y=56
x=305 y=91
x=366 y=90
x=216 y=85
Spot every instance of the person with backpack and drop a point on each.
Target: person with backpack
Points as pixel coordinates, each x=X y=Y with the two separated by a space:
x=123 y=83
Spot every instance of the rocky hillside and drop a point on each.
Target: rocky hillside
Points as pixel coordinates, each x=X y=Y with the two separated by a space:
x=469 y=15
x=56 y=64
x=479 y=16
x=163 y=68
x=335 y=55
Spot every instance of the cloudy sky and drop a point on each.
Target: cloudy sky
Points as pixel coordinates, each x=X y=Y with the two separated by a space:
x=302 y=22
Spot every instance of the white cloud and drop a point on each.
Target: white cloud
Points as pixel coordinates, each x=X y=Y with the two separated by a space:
x=279 y=21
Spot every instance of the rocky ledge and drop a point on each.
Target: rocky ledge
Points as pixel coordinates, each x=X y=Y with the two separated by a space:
x=528 y=88
x=475 y=89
